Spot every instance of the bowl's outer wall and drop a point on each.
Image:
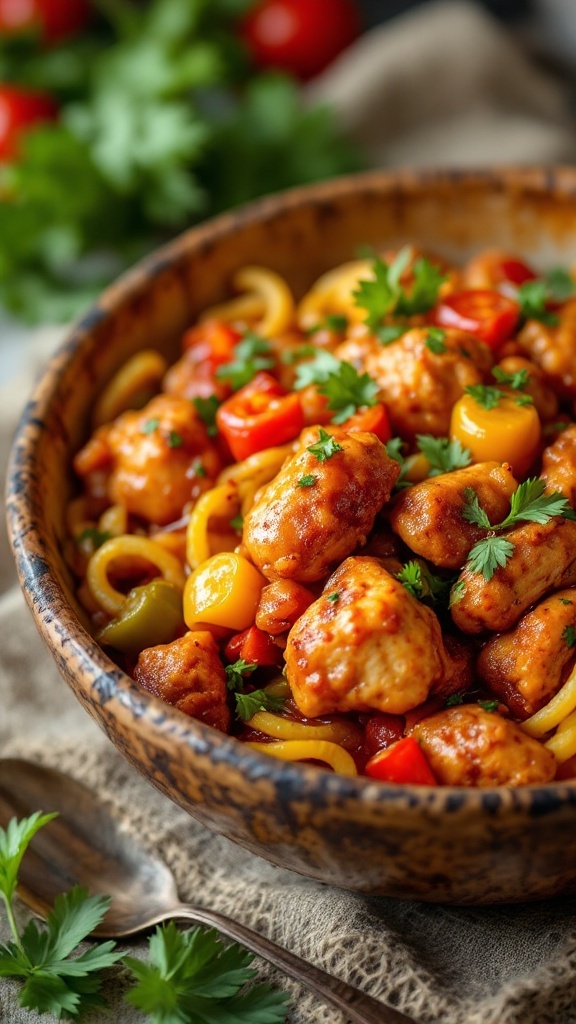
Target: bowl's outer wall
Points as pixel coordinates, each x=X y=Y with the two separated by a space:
x=431 y=844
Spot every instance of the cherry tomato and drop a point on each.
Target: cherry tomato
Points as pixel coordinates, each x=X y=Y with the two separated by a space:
x=373 y=419
x=404 y=762
x=20 y=110
x=300 y=36
x=260 y=415
x=54 y=19
x=489 y=315
x=507 y=433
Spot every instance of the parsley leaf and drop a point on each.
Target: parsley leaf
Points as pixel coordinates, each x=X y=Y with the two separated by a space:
x=569 y=635
x=394 y=450
x=489 y=705
x=92 y=538
x=317 y=370
x=443 y=454
x=150 y=426
x=379 y=296
x=193 y=976
x=237 y=523
x=348 y=391
x=207 y=409
x=487 y=395
x=472 y=511
x=457 y=593
x=388 y=333
x=434 y=340
x=424 y=293
x=326 y=446
x=517 y=381
x=532 y=296
x=454 y=700
x=422 y=584
x=560 y=284
x=308 y=480
x=488 y=554
x=294 y=355
x=250 y=355
x=175 y=440
x=383 y=294
x=247 y=704
x=333 y=598
x=336 y=322
x=564 y=600
x=235 y=673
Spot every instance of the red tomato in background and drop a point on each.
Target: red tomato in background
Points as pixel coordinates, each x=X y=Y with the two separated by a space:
x=55 y=19
x=20 y=110
x=300 y=36
x=489 y=315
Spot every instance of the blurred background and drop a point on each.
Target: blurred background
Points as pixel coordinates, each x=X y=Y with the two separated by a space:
x=122 y=122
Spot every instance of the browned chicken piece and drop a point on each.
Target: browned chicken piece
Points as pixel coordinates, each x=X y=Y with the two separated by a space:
x=544 y=398
x=418 y=386
x=559 y=464
x=281 y=604
x=544 y=559
x=365 y=644
x=300 y=532
x=460 y=675
x=428 y=517
x=190 y=378
x=553 y=349
x=161 y=459
x=467 y=746
x=187 y=673
x=527 y=666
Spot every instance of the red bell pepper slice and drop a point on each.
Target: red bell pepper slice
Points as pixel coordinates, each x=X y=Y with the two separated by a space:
x=373 y=419
x=404 y=762
x=260 y=415
x=253 y=646
x=516 y=271
x=490 y=316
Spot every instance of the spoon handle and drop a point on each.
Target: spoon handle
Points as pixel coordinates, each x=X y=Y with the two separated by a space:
x=356 y=1005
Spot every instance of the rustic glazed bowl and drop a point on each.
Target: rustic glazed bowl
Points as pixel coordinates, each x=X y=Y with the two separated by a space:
x=437 y=844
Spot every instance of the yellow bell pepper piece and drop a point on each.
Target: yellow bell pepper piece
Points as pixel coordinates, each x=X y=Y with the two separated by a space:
x=507 y=433
x=150 y=615
x=223 y=591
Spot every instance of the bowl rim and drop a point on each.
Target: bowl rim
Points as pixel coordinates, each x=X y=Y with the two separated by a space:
x=54 y=615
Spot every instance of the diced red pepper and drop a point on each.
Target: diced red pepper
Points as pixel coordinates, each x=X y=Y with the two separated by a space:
x=516 y=271
x=214 y=340
x=253 y=646
x=404 y=762
x=260 y=415
x=373 y=419
x=487 y=314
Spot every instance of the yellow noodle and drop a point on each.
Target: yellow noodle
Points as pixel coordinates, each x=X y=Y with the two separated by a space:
x=288 y=729
x=128 y=547
x=310 y=750
x=219 y=501
x=253 y=472
x=114 y=521
x=332 y=293
x=267 y=301
x=552 y=714
x=563 y=743
x=141 y=373
x=243 y=308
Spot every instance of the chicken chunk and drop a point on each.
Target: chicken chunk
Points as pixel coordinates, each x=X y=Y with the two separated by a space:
x=467 y=746
x=187 y=673
x=544 y=559
x=161 y=459
x=300 y=532
x=544 y=398
x=428 y=517
x=527 y=666
x=553 y=349
x=559 y=464
x=420 y=386
x=365 y=644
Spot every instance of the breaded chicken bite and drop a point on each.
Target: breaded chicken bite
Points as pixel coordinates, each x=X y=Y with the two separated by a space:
x=468 y=746
x=365 y=644
x=543 y=559
x=544 y=398
x=187 y=673
x=320 y=506
x=553 y=348
x=559 y=464
x=428 y=517
x=527 y=666
x=161 y=459
x=419 y=386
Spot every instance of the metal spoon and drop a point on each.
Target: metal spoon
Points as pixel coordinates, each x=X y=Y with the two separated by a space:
x=87 y=845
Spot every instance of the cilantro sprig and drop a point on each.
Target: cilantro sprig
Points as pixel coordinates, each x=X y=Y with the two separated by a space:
x=251 y=355
x=347 y=391
x=533 y=296
x=527 y=504
x=421 y=583
x=325 y=447
x=443 y=454
x=383 y=295
x=207 y=409
x=248 y=703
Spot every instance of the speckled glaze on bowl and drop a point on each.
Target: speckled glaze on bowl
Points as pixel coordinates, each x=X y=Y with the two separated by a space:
x=437 y=844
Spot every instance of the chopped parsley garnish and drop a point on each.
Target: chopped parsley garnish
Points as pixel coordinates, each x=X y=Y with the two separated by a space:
x=486 y=395
x=454 y=700
x=308 y=480
x=384 y=295
x=532 y=296
x=457 y=593
x=489 y=705
x=517 y=381
x=317 y=370
x=569 y=635
x=387 y=333
x=235 y=673
x=394 y=451
x=294 y=355
x=435 y=340
x=248 y=704
x=422 y=584
x=336 y=322
x=150 y=426
x=200 y=470
x=237 y=523
x=207 y=409
x=564 y=600
x=325 y=447
x=560 y=284
x=333 y=598
x=527 y=504
x=347 y=391
x=251 y=355
x=443 y=454
x=94 y=537
x=489 y=396
x=174 y=439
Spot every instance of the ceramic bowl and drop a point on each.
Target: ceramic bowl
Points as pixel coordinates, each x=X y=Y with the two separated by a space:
x=436 y=844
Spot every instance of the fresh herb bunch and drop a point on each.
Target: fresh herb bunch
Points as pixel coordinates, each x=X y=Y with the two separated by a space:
x=383 y=295
x=162 y=120
x=190 y=975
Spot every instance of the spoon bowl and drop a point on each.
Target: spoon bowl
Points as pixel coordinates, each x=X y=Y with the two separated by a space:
x=88 y=845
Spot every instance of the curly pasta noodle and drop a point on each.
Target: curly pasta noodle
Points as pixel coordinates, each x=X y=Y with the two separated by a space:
x=255 y=471
x=142 y=373
x=332 y=293
x=219 y=502
x=267 y=302
x=126 y=549
x=342 y=733
x=310 y=750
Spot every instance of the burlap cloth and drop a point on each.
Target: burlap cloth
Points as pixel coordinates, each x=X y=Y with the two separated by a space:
x=514 y=965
